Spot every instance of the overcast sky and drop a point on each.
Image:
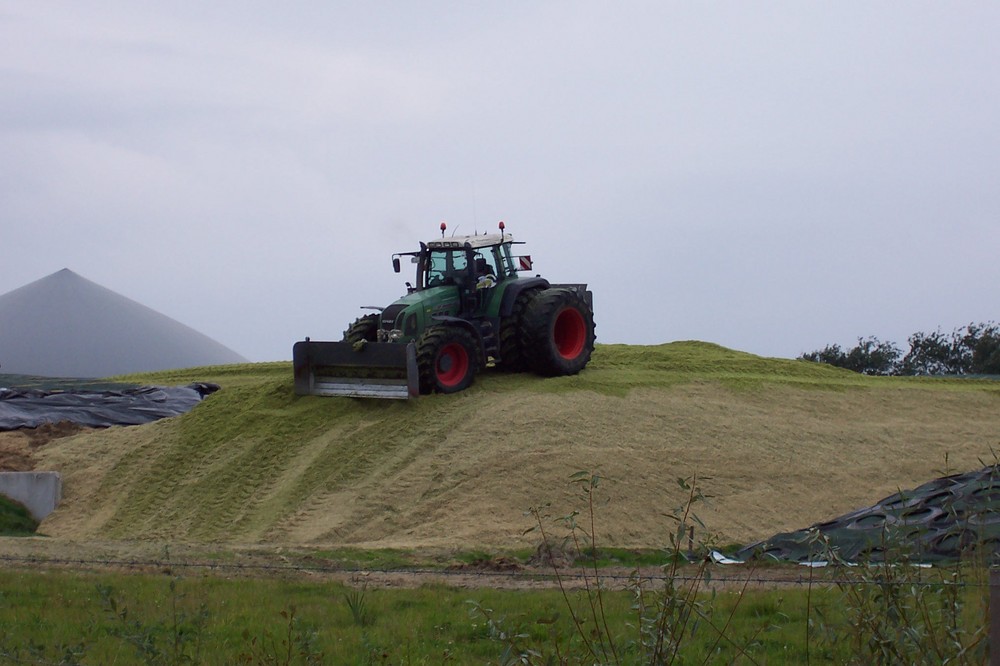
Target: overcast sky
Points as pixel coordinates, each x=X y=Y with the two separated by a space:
x=771 y=177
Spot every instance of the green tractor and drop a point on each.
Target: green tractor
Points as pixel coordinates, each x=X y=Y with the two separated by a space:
x=469 y=309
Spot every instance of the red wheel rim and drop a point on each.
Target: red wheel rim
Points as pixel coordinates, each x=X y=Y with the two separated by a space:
x=452 y=364
x=570 y=333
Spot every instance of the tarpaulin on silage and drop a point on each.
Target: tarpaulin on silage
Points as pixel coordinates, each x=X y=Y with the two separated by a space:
x=951 y=518
x=30 y=408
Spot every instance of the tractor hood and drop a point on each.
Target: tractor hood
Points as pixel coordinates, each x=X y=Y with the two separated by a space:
x=413 y=312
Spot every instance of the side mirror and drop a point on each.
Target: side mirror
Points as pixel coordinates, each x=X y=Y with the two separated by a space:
x=395 y=264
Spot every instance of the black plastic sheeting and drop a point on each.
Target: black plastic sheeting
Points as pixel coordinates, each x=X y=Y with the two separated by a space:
x=945 y=520
x=30 y=408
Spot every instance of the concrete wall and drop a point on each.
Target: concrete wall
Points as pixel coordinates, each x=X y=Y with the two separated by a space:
x=40 y=492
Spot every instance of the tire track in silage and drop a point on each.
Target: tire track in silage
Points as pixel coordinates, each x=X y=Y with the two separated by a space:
x=206 y=484
x=417 y=466
x=349 y=494
x=321 y=463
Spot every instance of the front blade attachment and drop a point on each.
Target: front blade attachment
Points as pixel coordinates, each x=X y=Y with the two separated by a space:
x=357 y=370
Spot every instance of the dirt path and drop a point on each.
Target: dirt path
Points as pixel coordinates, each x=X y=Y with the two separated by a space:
x=297 y=564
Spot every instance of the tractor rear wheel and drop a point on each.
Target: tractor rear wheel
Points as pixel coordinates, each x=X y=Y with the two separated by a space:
x=511 y=343
x=447 y=359
x=558 y=328
x=363 y=328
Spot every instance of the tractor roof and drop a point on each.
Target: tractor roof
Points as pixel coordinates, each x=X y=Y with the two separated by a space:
x=458 y=242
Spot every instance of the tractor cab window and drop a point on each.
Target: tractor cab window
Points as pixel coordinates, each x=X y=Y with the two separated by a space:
x=506 y=260
x=445 y=267
x=486 y=263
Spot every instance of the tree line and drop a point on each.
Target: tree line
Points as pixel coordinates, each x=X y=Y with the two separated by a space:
x=971 y=350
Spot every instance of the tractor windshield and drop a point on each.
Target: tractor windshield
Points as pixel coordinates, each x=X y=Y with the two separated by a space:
x=445 y=267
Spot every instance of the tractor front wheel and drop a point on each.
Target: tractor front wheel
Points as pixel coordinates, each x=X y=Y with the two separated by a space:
x=363 y=328
x=447 y=359
x=558 y=329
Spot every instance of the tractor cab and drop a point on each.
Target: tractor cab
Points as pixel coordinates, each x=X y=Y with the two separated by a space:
x=472 y=266
x=465 y=261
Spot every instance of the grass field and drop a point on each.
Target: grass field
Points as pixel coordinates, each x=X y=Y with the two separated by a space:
x=221 y=620
x=71 y=618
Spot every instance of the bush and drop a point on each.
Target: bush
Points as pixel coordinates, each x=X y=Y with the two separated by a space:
x=871 y=356
x=899 y=612
x=972 y=350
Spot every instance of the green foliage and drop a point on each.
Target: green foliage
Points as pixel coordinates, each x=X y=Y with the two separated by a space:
x=934 y=354
x=972 y=350
x=355 y=598
x=897 y=612
x=15 y=520
x=871 y=356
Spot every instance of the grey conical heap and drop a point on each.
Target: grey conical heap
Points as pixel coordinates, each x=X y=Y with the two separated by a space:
x=67 y=326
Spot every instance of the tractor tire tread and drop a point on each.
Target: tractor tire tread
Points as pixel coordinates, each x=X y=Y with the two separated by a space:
x=538 y=332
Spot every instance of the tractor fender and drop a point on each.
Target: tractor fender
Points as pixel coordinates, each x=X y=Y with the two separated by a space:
x=514 y=289
x=582 y=289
